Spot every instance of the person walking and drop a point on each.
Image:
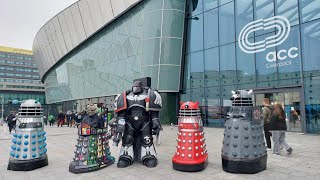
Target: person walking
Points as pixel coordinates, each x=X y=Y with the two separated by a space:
x=79 y=117
x=11 y=120
x=266 y=116
x=61 y=117
x=69 y=117
x=278 y=128
x=51 y=120
x=72 y=119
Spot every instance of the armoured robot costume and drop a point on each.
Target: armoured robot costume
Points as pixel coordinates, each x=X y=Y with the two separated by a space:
x=137 y=120
x=92 y=150
x=29 y=147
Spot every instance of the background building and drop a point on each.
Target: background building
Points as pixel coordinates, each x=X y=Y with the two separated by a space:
x=94 y=49
x=19 y=76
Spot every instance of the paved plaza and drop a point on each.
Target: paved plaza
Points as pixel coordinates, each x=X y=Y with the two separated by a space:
x=304 y=163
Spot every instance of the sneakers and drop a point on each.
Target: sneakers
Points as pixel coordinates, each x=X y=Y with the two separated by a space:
x=269 y=149
x=276 y=154
x=289 y=151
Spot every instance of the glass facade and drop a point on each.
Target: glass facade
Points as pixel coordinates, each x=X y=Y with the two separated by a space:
x=215 y=64
x=145 y=41
x=218 y=46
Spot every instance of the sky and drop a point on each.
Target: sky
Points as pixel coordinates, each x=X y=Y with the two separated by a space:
x=20 y=20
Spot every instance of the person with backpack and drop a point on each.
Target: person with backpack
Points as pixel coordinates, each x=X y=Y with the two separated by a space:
x=278 y=128
x=266 y=116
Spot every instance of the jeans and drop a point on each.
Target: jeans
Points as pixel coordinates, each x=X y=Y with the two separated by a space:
x=278 y=138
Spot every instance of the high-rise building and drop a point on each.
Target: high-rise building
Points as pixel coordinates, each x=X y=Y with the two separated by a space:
x=19 y=76
x=197 y=50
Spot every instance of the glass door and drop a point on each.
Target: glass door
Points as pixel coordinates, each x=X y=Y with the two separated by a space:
x=290 y=101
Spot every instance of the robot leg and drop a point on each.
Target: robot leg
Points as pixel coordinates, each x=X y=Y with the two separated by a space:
x=148 y=151
x=126 y=152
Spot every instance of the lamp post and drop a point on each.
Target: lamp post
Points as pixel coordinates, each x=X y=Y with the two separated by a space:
x=2 y=102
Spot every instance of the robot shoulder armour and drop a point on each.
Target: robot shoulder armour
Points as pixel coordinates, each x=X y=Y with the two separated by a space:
x=120 y=102
x=155 y=100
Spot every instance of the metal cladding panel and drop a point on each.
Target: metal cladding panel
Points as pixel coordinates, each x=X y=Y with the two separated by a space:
x=106 y=10
x=65 y=31
x=72 y=26
x=60 y=44
x=87 y=18
x=118 y=6
x=130 y=2
x=96 y=15
x=77 y=20
x=50 y=32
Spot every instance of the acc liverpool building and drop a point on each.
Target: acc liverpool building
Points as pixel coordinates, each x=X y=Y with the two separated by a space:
x=198 y=50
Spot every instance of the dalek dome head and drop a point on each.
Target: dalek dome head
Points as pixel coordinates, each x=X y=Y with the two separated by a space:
x=189 y=109
x=241 y=98
x=30 y=111
x=189 y=105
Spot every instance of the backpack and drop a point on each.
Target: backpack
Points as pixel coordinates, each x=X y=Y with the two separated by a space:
x=271 y=108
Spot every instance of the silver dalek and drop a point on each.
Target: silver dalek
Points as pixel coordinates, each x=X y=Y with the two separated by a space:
x=28 y=151
x=244 y=149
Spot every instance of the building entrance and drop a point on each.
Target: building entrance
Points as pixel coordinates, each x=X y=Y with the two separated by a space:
x=292 y=102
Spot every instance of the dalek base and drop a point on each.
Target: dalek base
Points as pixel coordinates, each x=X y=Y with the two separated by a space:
x=245 y=167
x=76 y=169
x=27 y=165
x=189 y=167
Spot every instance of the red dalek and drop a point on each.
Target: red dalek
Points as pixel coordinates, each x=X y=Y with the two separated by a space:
x=191 y=154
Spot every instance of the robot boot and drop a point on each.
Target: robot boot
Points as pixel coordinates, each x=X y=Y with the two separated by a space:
x=126 y=157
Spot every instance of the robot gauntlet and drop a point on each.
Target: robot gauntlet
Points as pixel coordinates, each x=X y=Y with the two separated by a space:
x=156 y=126
x=119 y=131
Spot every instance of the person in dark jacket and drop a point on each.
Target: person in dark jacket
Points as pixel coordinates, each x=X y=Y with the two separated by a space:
x=278 y=128
x=11 y=120
x=61 y=117
x=266 y=116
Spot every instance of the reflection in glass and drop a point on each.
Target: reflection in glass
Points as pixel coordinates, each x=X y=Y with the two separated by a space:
x=310 y=10
x=227 y=64
x=226 y=23
x=244 y=10
x=310 y=48
x=211 y=29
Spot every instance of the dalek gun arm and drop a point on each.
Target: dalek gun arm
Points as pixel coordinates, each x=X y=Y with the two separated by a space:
x=119 y=130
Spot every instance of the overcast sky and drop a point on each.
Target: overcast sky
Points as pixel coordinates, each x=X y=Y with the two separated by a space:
x=20 y=20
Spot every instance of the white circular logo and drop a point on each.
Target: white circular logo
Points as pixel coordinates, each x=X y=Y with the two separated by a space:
x=283 y=30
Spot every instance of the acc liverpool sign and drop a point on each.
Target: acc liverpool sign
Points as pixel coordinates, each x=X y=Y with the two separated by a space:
x=283 y=27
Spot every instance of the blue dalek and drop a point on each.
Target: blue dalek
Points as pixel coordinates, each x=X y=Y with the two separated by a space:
x=29 y=148
x=244 y=149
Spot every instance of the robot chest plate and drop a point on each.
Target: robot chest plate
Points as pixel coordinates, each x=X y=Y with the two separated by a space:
x=136 y=100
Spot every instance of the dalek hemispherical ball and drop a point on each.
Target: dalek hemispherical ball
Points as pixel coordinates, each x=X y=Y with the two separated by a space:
x=189 y=157
x=28 y=151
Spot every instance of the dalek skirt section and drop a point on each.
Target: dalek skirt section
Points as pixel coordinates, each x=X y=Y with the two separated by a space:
x=191 y=154
x=244 y=149
x=29 y=148
x=92 y=150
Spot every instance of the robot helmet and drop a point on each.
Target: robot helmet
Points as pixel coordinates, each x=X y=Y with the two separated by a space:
x=137 y=87
x=91 y=109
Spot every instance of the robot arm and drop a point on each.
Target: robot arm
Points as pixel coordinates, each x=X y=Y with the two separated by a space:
x=119 y=128
x=155 y=121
